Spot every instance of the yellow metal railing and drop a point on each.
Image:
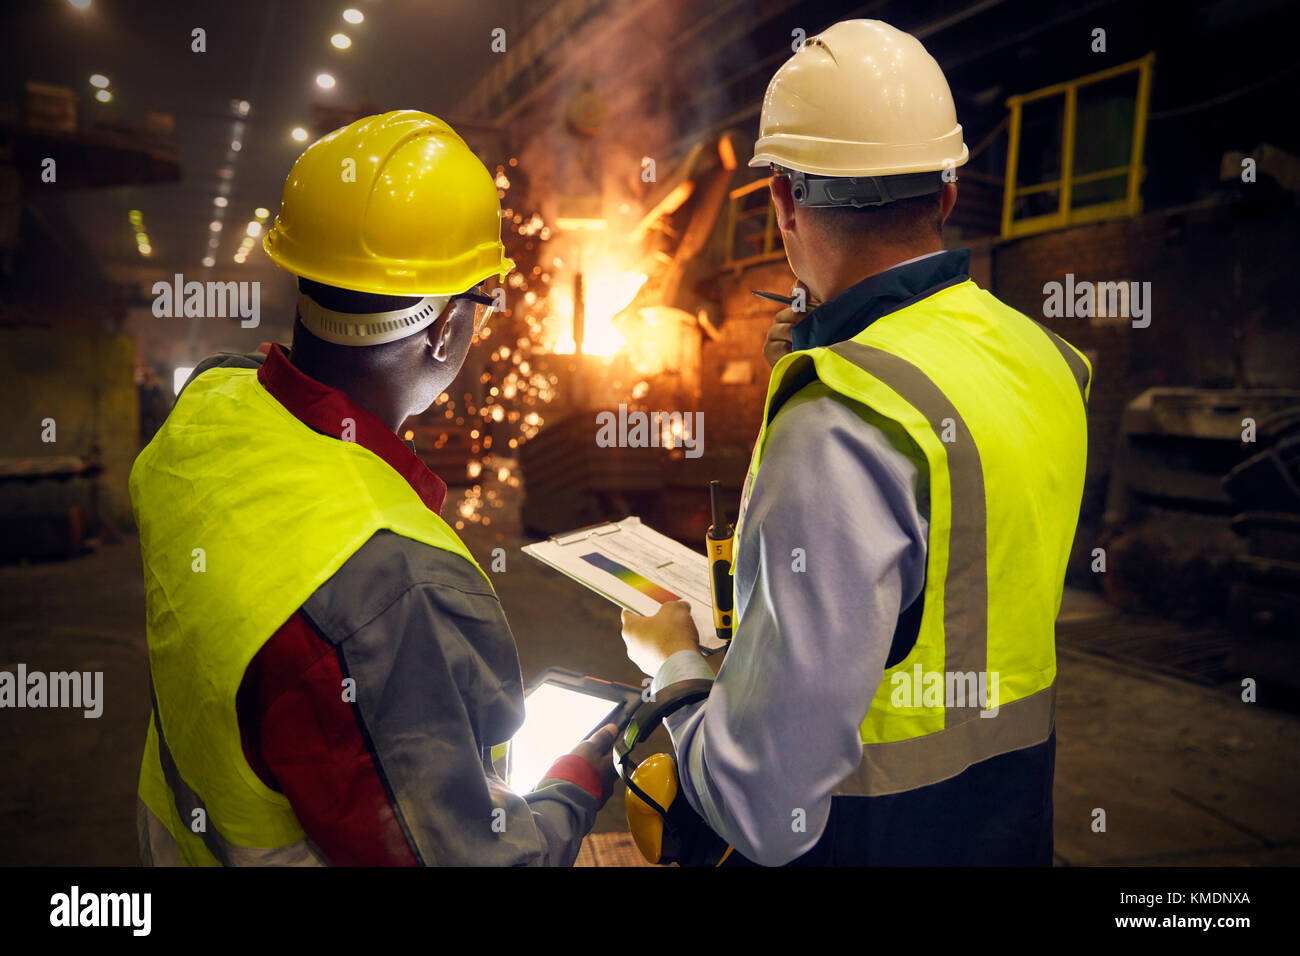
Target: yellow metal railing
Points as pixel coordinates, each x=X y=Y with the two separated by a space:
x=737 y=214
x=1066 y=214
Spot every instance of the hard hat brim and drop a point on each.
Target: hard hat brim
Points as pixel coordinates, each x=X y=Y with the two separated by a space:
x=796 y=152
x=448 y=279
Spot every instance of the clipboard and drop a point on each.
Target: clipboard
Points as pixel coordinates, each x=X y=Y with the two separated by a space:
x=636 y=567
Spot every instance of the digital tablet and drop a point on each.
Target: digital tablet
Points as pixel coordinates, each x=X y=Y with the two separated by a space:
x=561 y=709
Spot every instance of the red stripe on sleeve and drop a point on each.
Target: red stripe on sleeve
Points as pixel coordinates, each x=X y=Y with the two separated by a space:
x=303 y=739
x=577 y=770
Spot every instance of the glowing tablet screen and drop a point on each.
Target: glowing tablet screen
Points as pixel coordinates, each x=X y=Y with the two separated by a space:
x=556 y=719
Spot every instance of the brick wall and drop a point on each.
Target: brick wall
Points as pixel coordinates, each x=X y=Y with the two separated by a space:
x=735 y=411
x=1222 y=315
x=1221 y=312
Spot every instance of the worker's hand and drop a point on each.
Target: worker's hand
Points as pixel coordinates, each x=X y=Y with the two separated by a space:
x=652 y=640
x=779 y=337
x=598 y=750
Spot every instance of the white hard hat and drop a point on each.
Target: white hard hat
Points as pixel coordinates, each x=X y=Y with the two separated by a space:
x=861 y=98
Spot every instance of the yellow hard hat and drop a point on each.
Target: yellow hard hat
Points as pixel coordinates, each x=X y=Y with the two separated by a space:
x=862 y=98
x=395 y=204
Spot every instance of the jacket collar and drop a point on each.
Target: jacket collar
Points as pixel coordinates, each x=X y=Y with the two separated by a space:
x=855 y=308
x=323 y=409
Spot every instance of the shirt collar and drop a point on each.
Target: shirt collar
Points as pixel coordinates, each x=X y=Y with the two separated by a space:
x=858 y=306
x=323 y=409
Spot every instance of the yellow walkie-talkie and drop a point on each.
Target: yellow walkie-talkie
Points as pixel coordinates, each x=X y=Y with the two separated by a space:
x=719 y=543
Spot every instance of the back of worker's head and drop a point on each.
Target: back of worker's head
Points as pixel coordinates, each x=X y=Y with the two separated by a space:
x=915 y=220
x=387 y=223
x=343 y=336
x=861 y=134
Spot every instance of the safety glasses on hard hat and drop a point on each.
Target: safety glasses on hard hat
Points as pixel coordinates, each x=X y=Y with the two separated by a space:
x=484 y=305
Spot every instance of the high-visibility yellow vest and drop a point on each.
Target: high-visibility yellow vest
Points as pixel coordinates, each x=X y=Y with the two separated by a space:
x=243 y=511
x=996 y=403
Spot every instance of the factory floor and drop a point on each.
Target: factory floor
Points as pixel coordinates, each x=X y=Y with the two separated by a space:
x=1186 y=772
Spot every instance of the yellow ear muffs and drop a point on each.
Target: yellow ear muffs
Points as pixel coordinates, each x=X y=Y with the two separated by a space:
x=657 y=777
x=664 y=826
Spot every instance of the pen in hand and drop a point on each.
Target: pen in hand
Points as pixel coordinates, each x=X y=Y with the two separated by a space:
x=779 y=337
x=778 y=297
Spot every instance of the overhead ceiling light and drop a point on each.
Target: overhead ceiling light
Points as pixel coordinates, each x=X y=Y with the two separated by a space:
x=80 y=4
x=261 y=212
x=99 y=81
x=299 y=134
x=145 y=249
x=242 y=107
x=209 y=262
x=341 y=41
x=254 y=229
x=103 y=96
x=325 y=81
x=353 y=15
x=220 y=202
x=236 y=145
x=215 y=225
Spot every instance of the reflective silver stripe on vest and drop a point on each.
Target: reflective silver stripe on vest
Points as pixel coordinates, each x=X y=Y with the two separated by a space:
x=965 y=601
x=187 y=802
x=1078 y=367
x=922 y=761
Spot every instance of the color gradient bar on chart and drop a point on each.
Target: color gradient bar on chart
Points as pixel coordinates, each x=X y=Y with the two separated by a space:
x=630 y=577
